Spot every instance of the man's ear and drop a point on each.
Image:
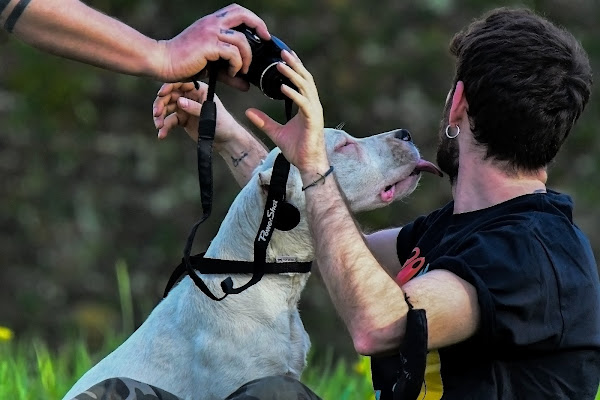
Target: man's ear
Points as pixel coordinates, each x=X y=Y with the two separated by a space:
x=459 y=107
x=264 y=180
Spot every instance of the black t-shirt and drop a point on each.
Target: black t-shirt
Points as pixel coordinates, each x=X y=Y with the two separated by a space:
x=539 y=296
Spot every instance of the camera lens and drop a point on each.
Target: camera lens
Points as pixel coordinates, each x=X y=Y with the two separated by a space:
x=271 y=80
x=263 y=69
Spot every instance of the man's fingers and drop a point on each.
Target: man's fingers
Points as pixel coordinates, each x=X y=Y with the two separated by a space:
x=296 y=64
x=167 y=88
x=189 y=106
x=164 y=89
x=189 y=86
x=239 y=40
x=263 y=122
x=170 y=122
x=296 y=97
x=232 y=55
x=293 y=76
x=235 y=15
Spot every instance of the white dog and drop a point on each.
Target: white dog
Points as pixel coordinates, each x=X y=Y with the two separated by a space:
x=197 y=348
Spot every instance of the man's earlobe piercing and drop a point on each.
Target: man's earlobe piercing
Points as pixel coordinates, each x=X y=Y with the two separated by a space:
x=448 y=132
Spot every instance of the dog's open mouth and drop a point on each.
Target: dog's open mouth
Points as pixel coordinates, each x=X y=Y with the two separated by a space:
x=389 y=191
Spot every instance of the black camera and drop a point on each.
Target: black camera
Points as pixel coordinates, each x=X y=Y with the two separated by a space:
x=263 y=71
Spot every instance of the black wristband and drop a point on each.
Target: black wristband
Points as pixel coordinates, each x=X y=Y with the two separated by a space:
x=3 y=4
x=15 y=14
x=322 y=178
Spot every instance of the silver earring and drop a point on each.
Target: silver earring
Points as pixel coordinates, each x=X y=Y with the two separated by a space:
x=448 y=132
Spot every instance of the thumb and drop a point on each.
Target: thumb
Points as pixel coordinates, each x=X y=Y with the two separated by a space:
x=189 y=106
x=263 y=122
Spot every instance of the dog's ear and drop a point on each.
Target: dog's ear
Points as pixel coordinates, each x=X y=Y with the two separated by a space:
x=264 y=180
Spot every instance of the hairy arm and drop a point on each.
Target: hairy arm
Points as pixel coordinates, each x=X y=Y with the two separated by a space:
x=71 y=29
x=371 y=303
x=362 y=292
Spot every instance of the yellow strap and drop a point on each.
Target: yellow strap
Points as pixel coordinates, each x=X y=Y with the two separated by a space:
x=433 y=378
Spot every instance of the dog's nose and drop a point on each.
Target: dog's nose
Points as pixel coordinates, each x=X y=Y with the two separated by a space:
x=403 y=134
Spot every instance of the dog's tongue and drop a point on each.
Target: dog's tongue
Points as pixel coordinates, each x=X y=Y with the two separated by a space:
x=424 y=165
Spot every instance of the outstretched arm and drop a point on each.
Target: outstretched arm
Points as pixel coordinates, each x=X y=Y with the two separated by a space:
x=71 y=29
x=371 y=304
x=178 y=104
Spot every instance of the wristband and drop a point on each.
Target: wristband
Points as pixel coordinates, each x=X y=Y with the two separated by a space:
x=322 y=178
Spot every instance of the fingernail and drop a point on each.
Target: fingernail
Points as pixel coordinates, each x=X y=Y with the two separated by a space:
x=183 y=102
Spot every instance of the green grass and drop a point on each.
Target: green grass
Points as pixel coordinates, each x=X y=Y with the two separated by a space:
x=29 y=370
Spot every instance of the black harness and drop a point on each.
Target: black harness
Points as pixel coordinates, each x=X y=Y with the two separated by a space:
x=278 y=214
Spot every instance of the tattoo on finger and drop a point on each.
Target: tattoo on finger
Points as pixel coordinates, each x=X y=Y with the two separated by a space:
x=221 y=15
x=227 y=31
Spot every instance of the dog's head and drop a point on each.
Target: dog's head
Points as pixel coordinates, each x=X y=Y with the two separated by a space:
x=372 y=172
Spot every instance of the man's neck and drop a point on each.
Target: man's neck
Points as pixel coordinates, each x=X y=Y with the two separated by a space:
x=481 y=184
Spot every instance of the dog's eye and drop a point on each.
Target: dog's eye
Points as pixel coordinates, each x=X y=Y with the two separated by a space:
x=345 y=146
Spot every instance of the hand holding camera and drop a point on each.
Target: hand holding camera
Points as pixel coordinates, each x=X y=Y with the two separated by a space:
x=262 y=72
x=266 y=54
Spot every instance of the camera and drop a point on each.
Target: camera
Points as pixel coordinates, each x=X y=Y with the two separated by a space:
x=263 y=71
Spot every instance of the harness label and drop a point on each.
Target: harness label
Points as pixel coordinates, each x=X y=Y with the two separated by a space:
x=286 y=259
x=271 y=215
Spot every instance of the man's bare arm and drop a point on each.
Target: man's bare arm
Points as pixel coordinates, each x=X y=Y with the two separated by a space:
x=71 y=29
x=369 y=301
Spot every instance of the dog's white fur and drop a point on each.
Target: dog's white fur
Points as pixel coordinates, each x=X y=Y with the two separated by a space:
x=197 y=348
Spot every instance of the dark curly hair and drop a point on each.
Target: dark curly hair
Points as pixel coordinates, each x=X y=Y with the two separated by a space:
x=526 y=81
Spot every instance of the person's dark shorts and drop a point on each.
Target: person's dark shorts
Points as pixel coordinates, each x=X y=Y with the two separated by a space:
x=269 y=388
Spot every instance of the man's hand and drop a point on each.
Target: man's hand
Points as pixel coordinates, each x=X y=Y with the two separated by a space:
x=179 y=104
x=209 y=39
x=301 y=139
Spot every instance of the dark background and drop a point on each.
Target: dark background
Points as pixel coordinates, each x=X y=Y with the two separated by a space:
x=85 y=184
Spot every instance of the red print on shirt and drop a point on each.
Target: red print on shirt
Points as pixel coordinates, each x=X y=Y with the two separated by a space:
x=411 y=267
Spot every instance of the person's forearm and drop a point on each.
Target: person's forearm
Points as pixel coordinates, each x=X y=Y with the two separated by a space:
x=242 y=152
x=71 y=29
x=370 y=303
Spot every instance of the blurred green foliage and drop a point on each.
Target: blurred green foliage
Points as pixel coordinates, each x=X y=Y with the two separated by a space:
x=84 y=183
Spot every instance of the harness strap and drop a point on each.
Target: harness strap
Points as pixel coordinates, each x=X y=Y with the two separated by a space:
x=206 y=135
x=276 y=196
x=218 y=266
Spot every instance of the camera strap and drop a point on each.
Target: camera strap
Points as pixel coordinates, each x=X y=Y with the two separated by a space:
x=278 y=214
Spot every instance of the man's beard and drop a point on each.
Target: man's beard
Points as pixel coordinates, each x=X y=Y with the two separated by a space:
x=447 y=150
